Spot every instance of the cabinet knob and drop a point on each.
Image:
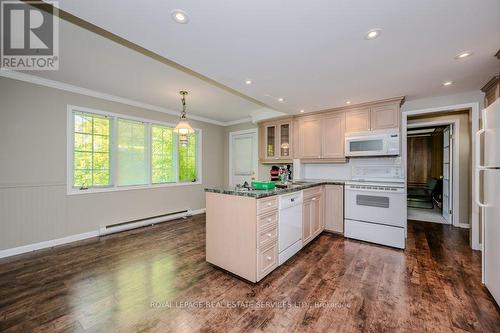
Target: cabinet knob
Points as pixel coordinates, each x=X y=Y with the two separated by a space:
x=268 y=219
x=269 y=235
x=269 y=204
x=269 y=258
x=313 y=199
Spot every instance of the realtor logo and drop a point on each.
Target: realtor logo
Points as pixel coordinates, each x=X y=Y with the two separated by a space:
x=29 y=35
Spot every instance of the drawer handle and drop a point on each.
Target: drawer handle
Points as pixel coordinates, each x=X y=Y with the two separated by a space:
x=269 y=234
x=313 y=199
x=269 y=258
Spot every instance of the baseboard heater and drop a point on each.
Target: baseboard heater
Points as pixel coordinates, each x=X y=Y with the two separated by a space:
x=134 y=224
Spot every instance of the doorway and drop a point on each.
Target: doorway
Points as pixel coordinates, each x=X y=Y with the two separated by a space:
x=430 y=173
x=243 y=156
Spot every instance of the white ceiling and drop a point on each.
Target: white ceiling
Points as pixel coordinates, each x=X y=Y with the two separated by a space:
x=93 y=62
x=312 y=53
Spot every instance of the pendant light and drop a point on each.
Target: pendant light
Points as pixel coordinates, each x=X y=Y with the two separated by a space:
x=183 y=129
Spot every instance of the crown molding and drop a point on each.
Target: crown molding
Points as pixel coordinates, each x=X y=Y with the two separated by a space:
x=93 y=93
x=238 y=121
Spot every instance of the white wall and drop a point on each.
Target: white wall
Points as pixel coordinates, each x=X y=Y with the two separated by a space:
x=34 y=206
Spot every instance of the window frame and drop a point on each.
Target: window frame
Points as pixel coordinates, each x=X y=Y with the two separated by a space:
x=71 y=190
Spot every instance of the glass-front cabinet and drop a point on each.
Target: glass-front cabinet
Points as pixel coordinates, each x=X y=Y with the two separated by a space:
x=276 y=141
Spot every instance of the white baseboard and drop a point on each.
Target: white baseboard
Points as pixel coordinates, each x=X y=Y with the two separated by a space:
x=197 y=211
x=64 y=240
x=46 y=244
x=464 y=225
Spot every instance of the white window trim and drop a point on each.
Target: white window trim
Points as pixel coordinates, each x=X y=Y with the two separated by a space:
x=70 y=190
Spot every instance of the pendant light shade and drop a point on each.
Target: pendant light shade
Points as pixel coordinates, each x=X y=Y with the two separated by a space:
x=183 y=128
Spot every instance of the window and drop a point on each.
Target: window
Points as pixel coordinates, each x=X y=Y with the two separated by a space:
x=108 y=152
x=132 y=153
x=187 y=160
x=91 y=153
x=162 y=155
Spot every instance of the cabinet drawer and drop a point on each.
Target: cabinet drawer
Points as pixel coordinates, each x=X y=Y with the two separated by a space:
x=265 y=221
x=267 y=205
x=312 y=192
x=267 y=260
x=267 y=236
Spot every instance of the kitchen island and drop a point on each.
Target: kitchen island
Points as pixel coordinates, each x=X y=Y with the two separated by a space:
x=243 y=232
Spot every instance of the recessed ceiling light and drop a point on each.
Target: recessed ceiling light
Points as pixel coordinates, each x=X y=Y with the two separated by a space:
x=447 y=83
x=373 y=33
x=348 y=102
x=281 y=99
x=180 y=16
x=248 y=82
x=301 y=111
x=463 y=55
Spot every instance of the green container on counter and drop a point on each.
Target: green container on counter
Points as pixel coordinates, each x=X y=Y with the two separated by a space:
x=263 y=185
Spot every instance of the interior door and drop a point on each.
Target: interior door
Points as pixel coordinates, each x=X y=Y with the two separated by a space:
x=447 y=174
x=243 y=157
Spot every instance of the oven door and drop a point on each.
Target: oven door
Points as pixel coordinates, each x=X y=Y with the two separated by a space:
x=377 y=206
x=366 y=146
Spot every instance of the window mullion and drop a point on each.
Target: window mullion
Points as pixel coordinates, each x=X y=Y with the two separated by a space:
x=113 y=152
x=176 y=157
x=147 y=146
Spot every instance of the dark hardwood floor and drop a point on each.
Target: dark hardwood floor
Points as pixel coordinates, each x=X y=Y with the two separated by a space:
x=156 y=279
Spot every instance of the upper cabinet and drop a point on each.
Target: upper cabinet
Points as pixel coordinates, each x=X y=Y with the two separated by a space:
x=491 y=90
x=320 y=137
x=373 y=117
x=385 y=116
x=276 y=140
x=309 y=137
x=333 y=135
x=358 y=120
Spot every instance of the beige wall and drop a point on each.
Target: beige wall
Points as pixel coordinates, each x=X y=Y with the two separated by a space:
x=34 y=206
x=465 y=159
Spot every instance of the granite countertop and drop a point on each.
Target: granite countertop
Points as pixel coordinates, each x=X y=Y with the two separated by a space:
x=298 y=186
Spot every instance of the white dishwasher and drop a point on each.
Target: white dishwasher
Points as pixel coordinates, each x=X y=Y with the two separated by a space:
x=290 y=225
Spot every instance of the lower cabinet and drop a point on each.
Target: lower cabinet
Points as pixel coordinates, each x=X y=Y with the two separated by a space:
x=242 y=234
x=312 y=214
x=334 y=208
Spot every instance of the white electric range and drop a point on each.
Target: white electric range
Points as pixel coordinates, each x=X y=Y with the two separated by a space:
x=375 y=205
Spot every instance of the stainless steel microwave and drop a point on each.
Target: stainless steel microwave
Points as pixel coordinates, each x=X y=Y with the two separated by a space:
x=373 y=143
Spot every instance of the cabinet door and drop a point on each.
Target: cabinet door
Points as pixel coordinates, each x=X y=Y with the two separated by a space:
x=385 y=116
x=333 y=136
x=310 y=137
x=334 y=208
x=285 y=140
x=357 y=120
x=316 y=215
x=270 y=140
x=306 y=221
